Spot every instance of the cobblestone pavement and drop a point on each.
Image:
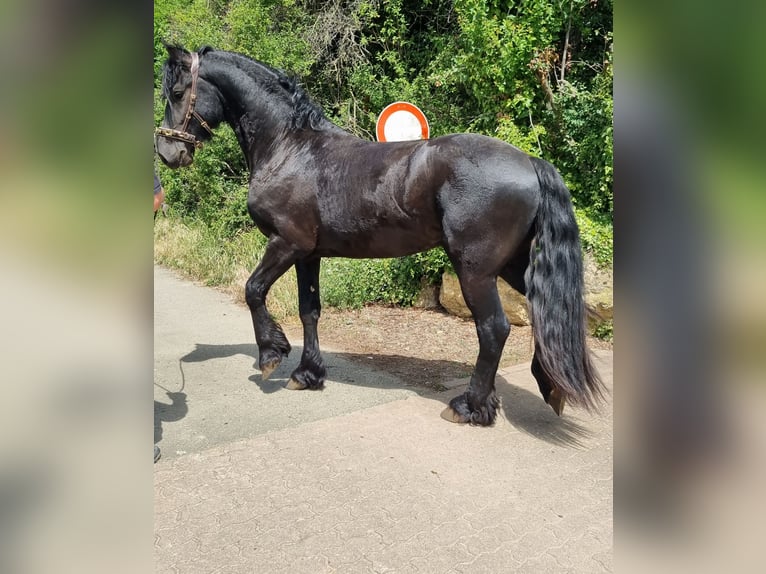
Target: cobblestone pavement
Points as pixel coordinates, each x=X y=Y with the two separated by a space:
x=375 y=484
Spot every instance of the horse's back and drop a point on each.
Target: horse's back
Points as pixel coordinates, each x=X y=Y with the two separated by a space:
x=484 y=160
x=376 y=199
x=485 y=174
x=368 y=199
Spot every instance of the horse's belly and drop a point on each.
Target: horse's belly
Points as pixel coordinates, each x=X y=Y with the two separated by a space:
x=377 y=242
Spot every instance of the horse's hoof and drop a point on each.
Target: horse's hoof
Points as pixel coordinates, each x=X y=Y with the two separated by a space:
x=294 y=385
x=450 y=415
x=266 y=370
x=557 y=401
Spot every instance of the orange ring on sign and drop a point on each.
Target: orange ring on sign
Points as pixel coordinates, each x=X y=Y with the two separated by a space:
x=390 y=109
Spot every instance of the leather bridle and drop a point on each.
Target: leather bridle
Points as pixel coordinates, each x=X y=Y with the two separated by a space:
x=182 y=134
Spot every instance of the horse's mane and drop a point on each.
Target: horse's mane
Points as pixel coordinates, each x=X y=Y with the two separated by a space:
x=169 y=76
x=306 y=113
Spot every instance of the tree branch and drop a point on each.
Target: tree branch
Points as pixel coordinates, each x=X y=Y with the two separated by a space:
x=566 y=44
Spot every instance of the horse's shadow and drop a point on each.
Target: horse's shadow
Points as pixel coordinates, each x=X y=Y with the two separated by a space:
x=524 y=410
x=527 y=412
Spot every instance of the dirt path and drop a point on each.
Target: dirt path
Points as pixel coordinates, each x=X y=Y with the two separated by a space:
x=426 y=347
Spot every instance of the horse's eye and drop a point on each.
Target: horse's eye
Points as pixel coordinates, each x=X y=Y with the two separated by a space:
x=178 y=94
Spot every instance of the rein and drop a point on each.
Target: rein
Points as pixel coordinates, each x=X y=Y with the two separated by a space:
x=182 y=134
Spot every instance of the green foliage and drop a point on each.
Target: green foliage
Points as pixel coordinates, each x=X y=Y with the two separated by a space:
x=352 y=283
x=528 y=141
x=428 y=266
x=596 y=236
x=583 y=137
x=605 y=331
x=494 y=52
x=535 y=73
x=214 y=189
x=268 y=31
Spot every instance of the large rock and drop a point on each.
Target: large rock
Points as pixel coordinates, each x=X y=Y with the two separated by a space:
x=514 y=303
x=598 y=292
x=427 y=297
x=602 y=303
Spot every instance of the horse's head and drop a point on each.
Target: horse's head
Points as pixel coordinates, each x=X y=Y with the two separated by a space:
x=192 y=110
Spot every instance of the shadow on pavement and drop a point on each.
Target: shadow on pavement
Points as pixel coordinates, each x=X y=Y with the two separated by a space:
x=414 y=372
x=525 y=410
x=178 y=408
x=204 y=352
x=169 y=412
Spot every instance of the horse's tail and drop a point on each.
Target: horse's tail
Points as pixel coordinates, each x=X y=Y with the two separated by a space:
x=554 y=282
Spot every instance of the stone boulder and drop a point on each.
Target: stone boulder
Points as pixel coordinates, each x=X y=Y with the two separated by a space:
x=514 y=303
x=427 y=297
x=598 y=292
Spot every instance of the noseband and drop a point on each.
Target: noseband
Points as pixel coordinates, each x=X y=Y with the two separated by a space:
x=182 y=134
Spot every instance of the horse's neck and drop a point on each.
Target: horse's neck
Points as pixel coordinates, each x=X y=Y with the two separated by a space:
x=259 y=119
x=245 y=136
x=255 y=115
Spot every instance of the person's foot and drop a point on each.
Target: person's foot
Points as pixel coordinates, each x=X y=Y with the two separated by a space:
x=156 y=453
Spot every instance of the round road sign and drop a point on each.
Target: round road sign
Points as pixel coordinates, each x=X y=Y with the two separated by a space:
x=401 y=121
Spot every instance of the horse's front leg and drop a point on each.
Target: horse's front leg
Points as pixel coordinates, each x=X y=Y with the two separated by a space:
x=311 y=371
x=272 y=343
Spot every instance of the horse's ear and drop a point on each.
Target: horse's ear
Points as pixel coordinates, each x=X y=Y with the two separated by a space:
x=178 y=54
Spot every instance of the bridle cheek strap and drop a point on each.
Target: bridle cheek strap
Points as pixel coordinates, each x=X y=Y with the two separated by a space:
x=182 y=134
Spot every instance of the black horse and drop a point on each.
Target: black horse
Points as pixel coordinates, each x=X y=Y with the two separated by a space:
x=317 y=191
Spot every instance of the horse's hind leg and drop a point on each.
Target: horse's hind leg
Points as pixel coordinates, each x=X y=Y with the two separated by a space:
x=311 y=371
x=272 y=343
x=478 y=405
x=514 y=271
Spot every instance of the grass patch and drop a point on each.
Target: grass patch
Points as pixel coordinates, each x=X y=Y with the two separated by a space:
x=197 y=252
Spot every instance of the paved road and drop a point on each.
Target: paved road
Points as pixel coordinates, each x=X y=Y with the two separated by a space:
x=363 y=476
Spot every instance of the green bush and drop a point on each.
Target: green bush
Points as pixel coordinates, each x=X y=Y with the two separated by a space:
x=596 y=236
x=353 y=283
x=581 y=143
